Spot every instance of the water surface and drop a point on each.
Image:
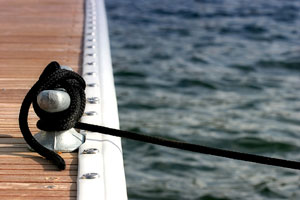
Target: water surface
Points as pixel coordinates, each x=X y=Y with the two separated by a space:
x=223 y=73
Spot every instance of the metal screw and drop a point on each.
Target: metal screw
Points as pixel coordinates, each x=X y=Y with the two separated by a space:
x=91 y=54
x=91 y=151
x=90 y=176
x=90 y=63
x=92 y=84
x=92 y=17
x=93 y=100
x=90 y=73
x=50 y=186
x=91 y=113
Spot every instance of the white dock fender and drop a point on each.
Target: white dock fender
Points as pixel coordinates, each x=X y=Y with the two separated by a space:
x=101 y=173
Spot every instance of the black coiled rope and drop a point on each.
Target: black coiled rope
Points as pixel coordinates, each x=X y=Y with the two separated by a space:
x=55 y=77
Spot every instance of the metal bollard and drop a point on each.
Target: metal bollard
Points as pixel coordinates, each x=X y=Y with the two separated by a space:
x=59 y=141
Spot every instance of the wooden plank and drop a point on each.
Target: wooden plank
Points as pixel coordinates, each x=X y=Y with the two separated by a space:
x=42 y=193
x=12 y=140
x=34 y=198
x=13 y=83
x=30 y=63
x=13 y=124
x=30 y=73
x=5 y=134
x=30 y=172
x=14 y=154
x=13 y=47
x=15 y=149
x=37 y=179
x=38 y=186
x=33 y=161
x=13 y=145
x=19 y=54
x=35 y=167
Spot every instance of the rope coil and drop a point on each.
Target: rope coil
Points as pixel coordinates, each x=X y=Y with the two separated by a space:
x=53 y=77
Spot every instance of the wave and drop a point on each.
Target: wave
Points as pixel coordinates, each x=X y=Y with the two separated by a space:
x=196 y=83
x=283 y=64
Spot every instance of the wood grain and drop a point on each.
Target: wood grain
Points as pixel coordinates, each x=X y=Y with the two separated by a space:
x=32 y=34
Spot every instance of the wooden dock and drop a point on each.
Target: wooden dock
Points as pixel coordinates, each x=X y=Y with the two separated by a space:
x=34 y=33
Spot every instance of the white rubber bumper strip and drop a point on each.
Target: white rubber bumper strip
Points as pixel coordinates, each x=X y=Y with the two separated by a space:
x=100 y=167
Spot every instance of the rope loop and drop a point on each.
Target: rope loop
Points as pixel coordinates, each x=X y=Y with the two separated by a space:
x=53 y=77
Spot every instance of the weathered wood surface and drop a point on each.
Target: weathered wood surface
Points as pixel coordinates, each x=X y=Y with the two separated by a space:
x=32 y=34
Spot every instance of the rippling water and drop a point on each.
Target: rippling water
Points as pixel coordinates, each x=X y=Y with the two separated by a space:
x=223 y=73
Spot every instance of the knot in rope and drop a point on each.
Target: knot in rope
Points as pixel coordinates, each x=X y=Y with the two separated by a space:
x=54 y=77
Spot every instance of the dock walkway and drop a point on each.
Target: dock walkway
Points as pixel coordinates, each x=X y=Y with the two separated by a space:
x=32 y=34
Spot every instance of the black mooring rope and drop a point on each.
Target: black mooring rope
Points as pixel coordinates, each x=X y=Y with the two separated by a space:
x=52 y=81
x=191 y=147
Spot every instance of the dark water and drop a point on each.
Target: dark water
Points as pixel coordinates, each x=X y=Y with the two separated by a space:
x=224 y=73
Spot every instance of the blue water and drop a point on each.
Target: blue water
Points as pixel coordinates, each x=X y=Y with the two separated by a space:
x=222 y=73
